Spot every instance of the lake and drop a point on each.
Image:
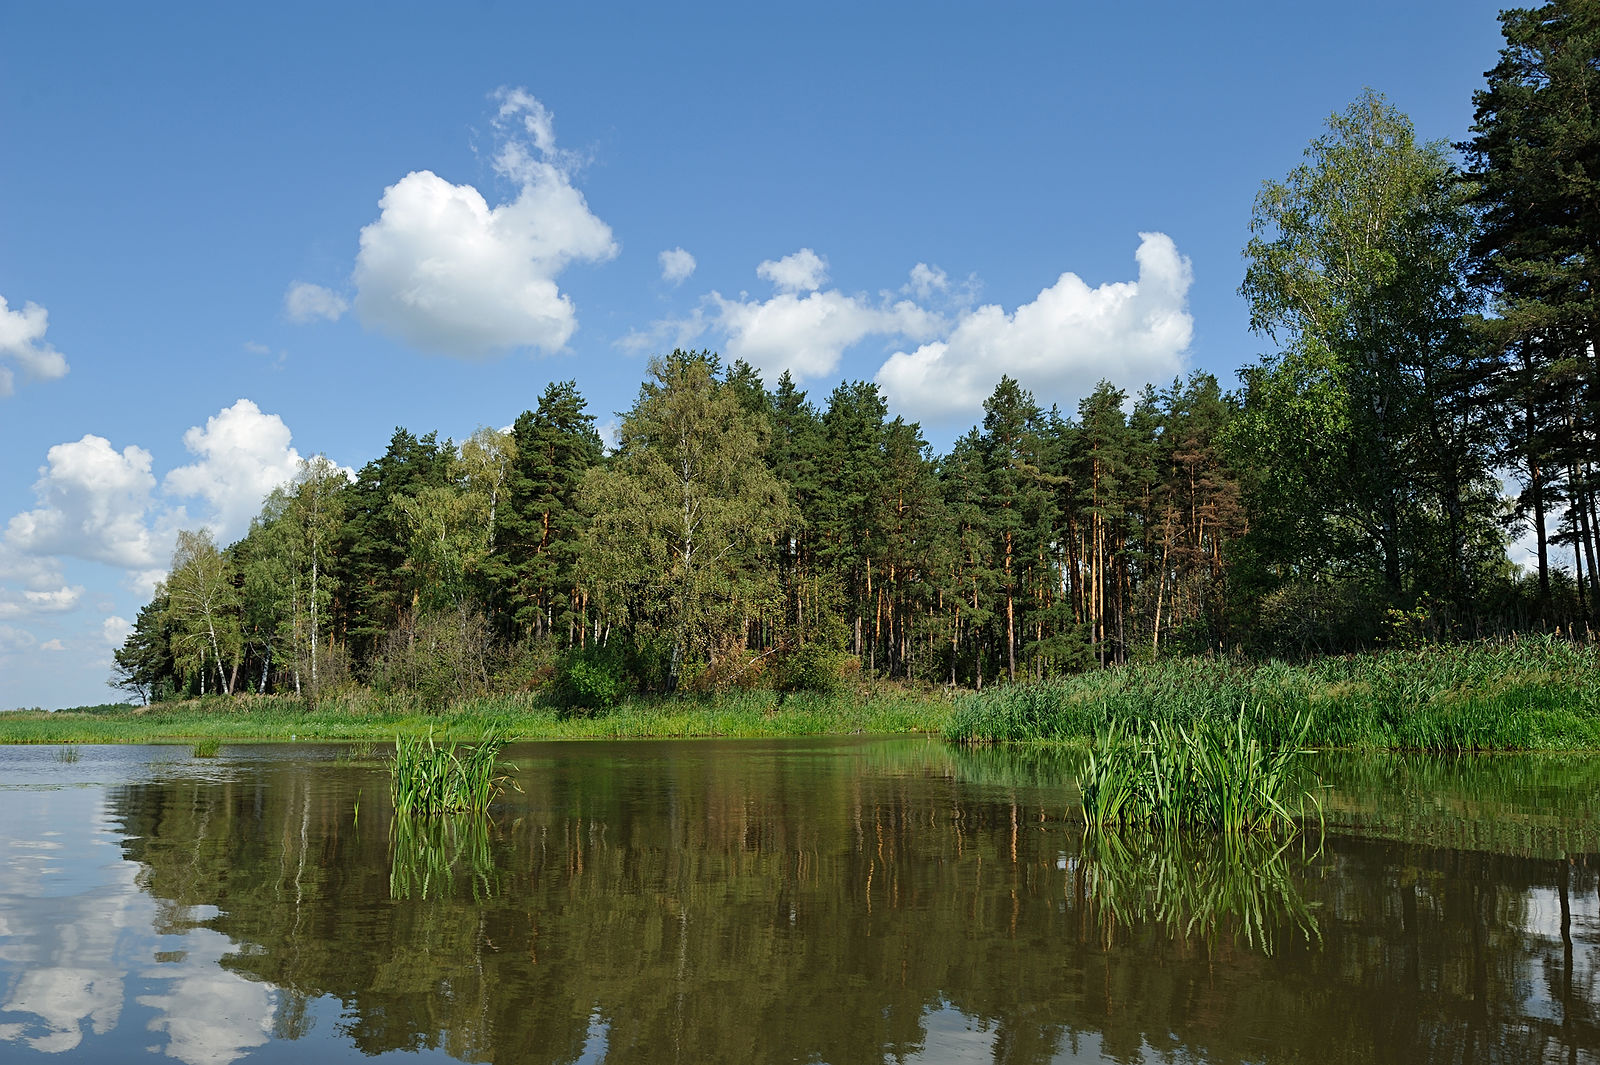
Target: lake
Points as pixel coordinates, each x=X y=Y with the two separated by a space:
x=822 y=900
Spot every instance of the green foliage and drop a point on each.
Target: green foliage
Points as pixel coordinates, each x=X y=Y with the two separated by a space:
x=533 y=566
x=426 y=779
x=206 y=748
x=1218 y=776
x=202 y=612
x=589 y=681
x=686 y=516
x=813 y=667
x=1534 y=693
x=1366 y=441
x=143 y=666
x=442 y=655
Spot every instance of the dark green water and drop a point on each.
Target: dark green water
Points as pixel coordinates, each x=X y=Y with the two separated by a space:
x=799 y=901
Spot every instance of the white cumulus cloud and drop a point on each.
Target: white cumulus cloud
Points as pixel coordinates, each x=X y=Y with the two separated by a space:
x=803 y=329
x=676 y=266
x=305 y=302
x=22 y=343
x=243 y=455
x=92 y=505
x=807 y=335
x=804 y=271
x=100 y=504
x=1059 y=345
x=447 y=273
x=115 y=630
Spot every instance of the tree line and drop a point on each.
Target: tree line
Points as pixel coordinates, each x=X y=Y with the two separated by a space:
x=1432 y=317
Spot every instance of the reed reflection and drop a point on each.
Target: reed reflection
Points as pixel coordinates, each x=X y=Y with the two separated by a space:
x=440 y=856
x=1200 y=886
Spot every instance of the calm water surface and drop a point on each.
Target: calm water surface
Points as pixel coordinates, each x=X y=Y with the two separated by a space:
x=800 y=901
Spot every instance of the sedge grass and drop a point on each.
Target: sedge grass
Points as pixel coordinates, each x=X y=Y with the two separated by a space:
x=428 y=778
x=1213 y=776
x=206 y=748
x=1533 y=693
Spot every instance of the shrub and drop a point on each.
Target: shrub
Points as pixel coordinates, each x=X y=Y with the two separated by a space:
x=813 y=668
x=588 y=681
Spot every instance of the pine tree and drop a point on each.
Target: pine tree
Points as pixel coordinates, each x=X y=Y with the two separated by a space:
x=539 y=588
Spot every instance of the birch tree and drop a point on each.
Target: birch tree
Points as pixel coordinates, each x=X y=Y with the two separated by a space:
x=687 y=515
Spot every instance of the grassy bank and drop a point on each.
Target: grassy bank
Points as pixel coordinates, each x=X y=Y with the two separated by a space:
x=1529 y=694
x=365 y=715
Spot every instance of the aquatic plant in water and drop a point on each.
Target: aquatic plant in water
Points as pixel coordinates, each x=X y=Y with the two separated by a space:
x=1229 y=777
x=427 y=778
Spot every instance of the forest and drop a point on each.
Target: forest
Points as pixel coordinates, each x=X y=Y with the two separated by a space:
x=1430 y=391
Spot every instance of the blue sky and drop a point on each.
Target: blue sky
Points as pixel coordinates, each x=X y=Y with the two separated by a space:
x=230 y=239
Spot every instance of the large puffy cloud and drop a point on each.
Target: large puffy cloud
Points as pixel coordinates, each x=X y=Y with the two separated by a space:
x=99 y=504
x=1060 y=345
x=243 y=455
x=807 y=335
x=22 y=343
x=445 y=272
x=92 y=505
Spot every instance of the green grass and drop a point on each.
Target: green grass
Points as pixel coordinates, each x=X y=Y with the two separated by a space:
x=1217 y=776
x=1534 y=693
x=206 y=748
x=428 y=778
x=364 y=715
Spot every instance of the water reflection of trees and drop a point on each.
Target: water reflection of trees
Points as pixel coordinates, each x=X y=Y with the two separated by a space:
x=756 y=907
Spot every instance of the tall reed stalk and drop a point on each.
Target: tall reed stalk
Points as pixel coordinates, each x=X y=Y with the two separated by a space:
x=428 y=778
x=1230 y=777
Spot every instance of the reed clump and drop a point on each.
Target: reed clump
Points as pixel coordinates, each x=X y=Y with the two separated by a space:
x=206 y=748
x=1231 y=778
x=1531 y=693
x=428 y=778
